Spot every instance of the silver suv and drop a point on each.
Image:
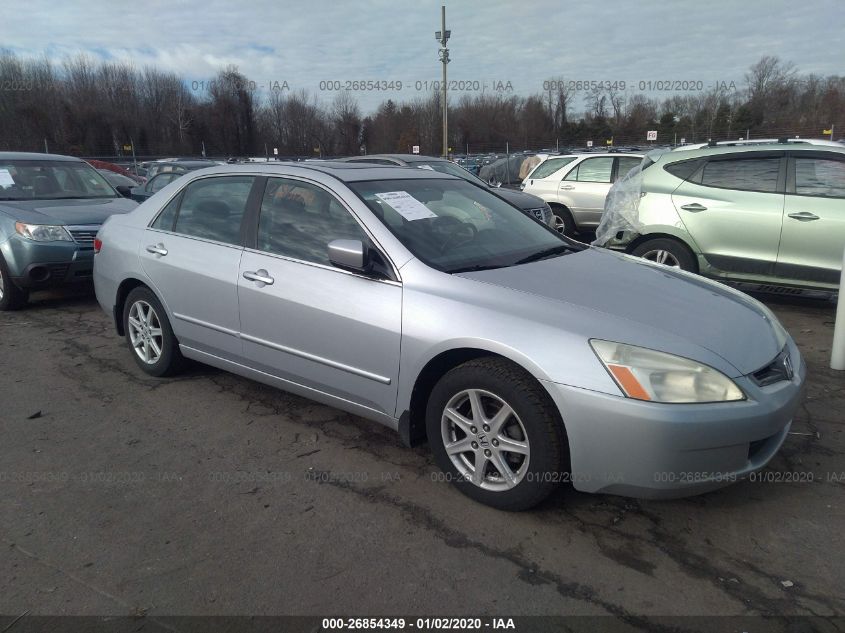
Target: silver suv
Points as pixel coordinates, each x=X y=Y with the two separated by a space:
x=576 y=185
x=770 y=214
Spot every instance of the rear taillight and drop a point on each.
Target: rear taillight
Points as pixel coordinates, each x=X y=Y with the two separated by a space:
x=98 y=244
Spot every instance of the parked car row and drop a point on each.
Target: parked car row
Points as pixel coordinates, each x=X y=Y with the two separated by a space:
x=424 y=300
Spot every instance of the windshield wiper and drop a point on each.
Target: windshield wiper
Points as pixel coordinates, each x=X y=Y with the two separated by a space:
x=469 y=269
x=548 y=252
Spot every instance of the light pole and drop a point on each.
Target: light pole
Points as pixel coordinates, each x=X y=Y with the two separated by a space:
x=442 y=36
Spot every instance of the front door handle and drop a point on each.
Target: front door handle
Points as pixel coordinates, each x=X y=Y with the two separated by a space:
x=694 y=207
x=157 y=249
x=567 y=187
x=261 y=277
x=804 y=216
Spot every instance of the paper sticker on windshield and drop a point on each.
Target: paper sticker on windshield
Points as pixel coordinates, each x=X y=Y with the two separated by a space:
x=406 y=205
x=425 y=167
x=6 y=179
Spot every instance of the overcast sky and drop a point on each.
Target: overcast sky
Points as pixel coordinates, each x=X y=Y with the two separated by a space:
x=493 y=41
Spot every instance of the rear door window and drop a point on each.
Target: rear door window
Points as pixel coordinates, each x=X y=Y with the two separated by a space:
x=597 y=169
x=550 y=166
x=213 y=208
x=744 y=174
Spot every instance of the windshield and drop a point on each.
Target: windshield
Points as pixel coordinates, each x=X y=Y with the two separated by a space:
x=455 y=226
x=550 y=166
x=51 y=180
x=116 y=179
x=445 y=167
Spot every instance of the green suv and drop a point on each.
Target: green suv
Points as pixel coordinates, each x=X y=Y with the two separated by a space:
x=770 y=214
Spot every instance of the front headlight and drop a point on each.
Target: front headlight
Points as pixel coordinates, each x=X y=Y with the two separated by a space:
x=644 y=374
x=43 y=232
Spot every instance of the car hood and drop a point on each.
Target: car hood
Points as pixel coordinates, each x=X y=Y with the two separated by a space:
x=85 y=211
x=520 y=198
x=646 y=296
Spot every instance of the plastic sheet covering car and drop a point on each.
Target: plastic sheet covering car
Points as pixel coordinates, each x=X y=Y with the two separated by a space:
x=621 y=207
x=527 y=165
x=503 y=170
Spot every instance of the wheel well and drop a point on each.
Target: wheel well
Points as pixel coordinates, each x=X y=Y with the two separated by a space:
x=126 y=286
x=412 y=423
x=562 y=207
x=662 y=236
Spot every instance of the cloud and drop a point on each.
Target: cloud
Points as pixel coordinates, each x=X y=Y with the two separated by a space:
x=305 y=44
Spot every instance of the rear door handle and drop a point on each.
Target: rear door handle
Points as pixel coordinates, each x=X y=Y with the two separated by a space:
x=261 y=277
x=694 y=207
x=157 y=249
x=804 y=216
x=567 y=187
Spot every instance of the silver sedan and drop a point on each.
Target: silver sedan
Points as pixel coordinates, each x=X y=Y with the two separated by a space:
x=431 y=305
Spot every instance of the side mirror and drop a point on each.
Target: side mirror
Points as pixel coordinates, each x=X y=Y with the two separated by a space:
x=349 y=255
x=124 y=190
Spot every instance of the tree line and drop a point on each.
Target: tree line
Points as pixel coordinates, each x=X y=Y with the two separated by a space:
x=87 y=108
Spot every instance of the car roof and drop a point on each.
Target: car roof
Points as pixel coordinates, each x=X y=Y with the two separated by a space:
x=763 y=141
x=37 y=156
x=406 y=158
x=600 y=154
x=184 y=162
x=341 y=170
x=775 y=146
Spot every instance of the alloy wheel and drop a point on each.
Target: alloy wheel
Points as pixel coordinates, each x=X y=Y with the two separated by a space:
x=558 y=224
x=485 y=440
x=145 y=332
x=660 y=256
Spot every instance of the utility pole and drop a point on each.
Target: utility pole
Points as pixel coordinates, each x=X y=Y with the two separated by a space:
x=442 y=36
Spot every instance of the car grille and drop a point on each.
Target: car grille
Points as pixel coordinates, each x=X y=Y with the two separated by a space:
x=540 y=213
x=778 y=370
x=84 y=234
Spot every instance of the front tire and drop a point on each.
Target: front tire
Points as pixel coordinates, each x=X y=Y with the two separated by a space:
x=148 y=332
x=496 y=434
x=11 y=297
x=668 y=252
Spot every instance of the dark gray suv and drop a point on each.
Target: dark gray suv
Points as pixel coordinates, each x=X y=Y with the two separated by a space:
x=51 y=208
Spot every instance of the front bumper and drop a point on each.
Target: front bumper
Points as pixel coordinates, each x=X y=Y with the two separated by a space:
x=35 y=265
x=649 y=450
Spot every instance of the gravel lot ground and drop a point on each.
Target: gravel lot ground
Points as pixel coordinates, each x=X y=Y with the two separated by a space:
x=211 y=494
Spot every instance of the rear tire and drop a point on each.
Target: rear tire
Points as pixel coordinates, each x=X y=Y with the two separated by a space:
x=150 y=337
x=11 y=297
x=563 y=222
x=668 y=252
x=469 y=427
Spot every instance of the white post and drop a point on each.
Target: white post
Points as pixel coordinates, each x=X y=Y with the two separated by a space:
x=837 y=351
